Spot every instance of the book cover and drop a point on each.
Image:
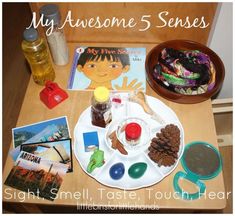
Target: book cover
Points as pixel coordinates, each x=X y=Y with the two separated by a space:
x=121 y=69
x=36 y=175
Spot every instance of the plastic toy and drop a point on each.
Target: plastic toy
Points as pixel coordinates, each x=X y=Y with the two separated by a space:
x=117 y=171
x=91 y=141
x=137 y=170
x=96 y=160
x=52 y=94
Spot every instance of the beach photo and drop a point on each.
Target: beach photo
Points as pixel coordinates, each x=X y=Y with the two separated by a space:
x=50 y=130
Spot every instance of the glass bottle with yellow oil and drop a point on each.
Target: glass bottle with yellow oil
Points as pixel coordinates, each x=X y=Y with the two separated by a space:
x=37 y=55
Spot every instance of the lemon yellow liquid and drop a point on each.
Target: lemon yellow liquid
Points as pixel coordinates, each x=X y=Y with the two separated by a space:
x=38 y=58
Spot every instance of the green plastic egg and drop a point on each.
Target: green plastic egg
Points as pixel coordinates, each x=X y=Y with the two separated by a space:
x=137 y=170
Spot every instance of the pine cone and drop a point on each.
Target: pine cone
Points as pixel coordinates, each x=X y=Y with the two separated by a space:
x=164 y=148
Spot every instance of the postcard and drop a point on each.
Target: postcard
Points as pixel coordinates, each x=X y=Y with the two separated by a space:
x=37 y=175
x=58 y=151
x=117 y=68
x=50 y=130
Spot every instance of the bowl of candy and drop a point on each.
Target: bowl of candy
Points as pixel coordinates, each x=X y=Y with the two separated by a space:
x=184 y=71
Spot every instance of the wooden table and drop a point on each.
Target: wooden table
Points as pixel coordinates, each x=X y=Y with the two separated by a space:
x=198 y=124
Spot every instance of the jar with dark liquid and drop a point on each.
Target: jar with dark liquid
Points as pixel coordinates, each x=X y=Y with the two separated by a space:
x=101 y=107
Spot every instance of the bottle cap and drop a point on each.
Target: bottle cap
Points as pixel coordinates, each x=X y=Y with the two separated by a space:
x=132 y=131
x=101 y=94
x=30 y=34
x=50 y=12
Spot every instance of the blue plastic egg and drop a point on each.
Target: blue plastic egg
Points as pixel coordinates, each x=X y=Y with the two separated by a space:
x=117 y=171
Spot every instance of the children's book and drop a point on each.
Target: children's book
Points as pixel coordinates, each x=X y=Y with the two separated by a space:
x=121 y=69
x=36 y=175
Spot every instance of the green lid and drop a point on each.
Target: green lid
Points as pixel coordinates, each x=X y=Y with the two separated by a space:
x=201 y=160
x=30 y=34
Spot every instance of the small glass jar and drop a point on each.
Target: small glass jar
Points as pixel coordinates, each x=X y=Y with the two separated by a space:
x=133 y=133
x=101 y=107
x=55 y=35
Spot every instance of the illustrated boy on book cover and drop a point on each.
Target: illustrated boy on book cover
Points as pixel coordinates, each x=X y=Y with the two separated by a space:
x=114 y=68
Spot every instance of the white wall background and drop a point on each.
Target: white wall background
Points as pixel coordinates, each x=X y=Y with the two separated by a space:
x=221 y=42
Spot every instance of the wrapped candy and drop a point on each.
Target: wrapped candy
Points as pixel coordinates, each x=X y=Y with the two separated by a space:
x=185 y=72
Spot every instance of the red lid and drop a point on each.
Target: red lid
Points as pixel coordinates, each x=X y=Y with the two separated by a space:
x=132 y=131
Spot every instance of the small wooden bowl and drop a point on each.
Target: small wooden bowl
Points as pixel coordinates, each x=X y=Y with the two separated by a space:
x=152 y=60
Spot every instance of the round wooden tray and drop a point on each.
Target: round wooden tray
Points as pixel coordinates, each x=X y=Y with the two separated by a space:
x=152 y=60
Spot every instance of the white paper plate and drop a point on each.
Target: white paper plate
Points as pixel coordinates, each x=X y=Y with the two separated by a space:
x=153 y=174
